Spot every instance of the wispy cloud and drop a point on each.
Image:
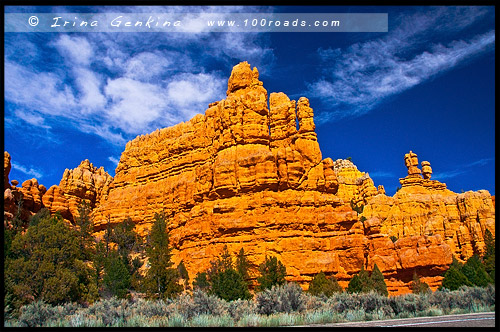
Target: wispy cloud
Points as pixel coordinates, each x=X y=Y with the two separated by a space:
x=27 y=170
x=463 y=169
x=364 y=74
x=114 y=160
x=104 y=85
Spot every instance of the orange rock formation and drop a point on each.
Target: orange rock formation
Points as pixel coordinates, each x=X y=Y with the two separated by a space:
x=251 y=176
x=85 y=182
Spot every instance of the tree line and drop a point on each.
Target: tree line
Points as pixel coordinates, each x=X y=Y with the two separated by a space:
x=52 y=261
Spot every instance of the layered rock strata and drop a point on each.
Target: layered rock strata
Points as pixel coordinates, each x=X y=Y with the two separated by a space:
x=249 y=173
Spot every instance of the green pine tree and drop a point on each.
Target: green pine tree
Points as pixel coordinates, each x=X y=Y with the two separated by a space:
x=378 y=282
x=242 y=265
x=84 y=229
x=475 y=272
x=321 y=285
x=229 y=285
x=354 y=285
x=98 y=262
x=361 y=282
x=183 y=273
x=489 y=254
x=125 y=237
x=454 y=277
x=225 y=281
x=272 y=272
x=116 y=275
x=44 y=264
x=201 y=281
x=162 y=279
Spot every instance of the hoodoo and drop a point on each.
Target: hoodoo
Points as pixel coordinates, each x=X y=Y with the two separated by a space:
x=248 y=175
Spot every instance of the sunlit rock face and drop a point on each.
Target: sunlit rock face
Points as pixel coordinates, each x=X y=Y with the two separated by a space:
x=249 y=173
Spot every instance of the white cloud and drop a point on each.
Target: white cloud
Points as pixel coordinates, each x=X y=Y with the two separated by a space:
x=28 y=171
x=76 y=50
x=363 y=75
x=146 y=65
x=31 y=118
x=191 y=93
x=117 y=86
x=135 y=104
x=89 y=85
x=44 y=92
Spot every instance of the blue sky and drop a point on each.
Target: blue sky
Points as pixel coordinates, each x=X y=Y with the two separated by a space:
x=426 y=85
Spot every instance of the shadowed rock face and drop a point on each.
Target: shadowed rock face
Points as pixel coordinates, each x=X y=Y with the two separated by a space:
x=248 y=173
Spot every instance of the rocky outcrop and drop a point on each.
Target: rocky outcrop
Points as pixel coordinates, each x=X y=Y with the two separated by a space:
x=424 y=209
x=249 y=173
x=6 y=169
x=85 y=182
x=25 y=200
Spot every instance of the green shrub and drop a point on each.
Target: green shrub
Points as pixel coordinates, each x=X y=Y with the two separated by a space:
x=241 y=308
x=283 y=298
x=418 y=286
x=36 y=314
x=320 y=284
x=205 y=304
x=286 y=305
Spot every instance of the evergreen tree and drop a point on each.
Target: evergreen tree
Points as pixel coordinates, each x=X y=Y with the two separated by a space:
x=45 y=265
x=489 y=254
x=84 y=229
x=98 y=262
x=43 y=213
x=378 y=282
x=108 y=234
x=201 y=281
x=242 y=265
x=127 y=240
x=272 y=272
x=418 y=286
x=454 y=278
x=125 y=237
x=320 y=284
x=161 y=279
x=17 y=222
x=116 y=275
x=229 y=285
x=183 y=273
x=354 y=285
x=475 y=272
x=225 y=281
x=361 y=282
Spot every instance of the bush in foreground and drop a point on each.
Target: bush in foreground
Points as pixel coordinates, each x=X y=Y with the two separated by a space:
x=279 y=306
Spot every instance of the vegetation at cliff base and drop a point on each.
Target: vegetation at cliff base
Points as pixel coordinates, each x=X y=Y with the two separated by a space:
x=283 y=305
x=59 y=274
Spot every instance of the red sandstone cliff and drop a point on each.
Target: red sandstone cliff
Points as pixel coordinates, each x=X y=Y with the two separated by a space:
x=243 y=175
